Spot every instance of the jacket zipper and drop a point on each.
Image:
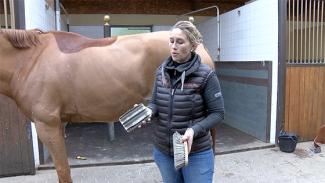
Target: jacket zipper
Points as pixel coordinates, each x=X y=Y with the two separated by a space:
x=172 y=91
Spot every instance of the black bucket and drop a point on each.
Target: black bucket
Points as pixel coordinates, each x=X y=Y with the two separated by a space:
x=287 y=142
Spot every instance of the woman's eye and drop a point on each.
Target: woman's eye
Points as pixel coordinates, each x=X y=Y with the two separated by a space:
x=180 y=42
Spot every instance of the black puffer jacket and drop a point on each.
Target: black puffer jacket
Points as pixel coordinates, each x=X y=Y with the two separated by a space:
x=178 y=103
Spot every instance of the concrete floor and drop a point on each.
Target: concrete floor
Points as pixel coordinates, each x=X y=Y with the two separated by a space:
x=268 y=165
x=91 y=141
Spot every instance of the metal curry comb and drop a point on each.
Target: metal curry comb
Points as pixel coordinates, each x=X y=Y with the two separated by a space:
x=132 y=118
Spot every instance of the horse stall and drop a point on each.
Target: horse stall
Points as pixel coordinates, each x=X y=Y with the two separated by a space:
x=245 y=61
x=246 y=84
x=305 y=71
x=246 y=88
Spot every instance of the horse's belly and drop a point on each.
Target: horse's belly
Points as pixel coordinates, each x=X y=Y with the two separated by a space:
x=95 y=110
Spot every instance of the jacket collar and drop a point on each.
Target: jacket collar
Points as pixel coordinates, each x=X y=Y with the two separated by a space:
x=189 y=67
x=185 y=68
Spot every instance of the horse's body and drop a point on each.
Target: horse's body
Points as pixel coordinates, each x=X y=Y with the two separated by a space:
x=56 y=77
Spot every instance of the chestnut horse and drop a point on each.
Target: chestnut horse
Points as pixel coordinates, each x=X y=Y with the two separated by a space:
x=56 y=77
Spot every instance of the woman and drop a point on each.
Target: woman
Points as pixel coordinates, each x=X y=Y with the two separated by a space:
x=186 y=98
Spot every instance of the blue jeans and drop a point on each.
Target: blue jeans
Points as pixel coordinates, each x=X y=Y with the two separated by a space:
x=200 y=167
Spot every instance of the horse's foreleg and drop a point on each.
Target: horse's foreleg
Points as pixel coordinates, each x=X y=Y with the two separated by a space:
x=52 y=137
x=64 y=125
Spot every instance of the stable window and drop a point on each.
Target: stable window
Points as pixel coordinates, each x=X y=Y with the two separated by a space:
x=127 y=30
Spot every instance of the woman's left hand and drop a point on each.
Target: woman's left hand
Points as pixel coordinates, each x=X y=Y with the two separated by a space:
x=188 y=136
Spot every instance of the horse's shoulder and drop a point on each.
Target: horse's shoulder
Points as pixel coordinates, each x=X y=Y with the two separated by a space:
x=72 y=42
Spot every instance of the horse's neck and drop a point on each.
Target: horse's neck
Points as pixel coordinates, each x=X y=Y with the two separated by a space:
x=7 y=67
x=7 y=71
x=12 y=61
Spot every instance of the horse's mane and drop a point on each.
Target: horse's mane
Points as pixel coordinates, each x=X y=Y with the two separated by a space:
x=22 y=38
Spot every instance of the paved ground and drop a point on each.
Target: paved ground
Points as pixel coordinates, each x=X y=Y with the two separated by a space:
x=90 y=141
x=261 y=166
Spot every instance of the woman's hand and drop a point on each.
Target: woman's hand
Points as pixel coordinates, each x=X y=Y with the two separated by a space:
x=188 y=136
x=148 y=120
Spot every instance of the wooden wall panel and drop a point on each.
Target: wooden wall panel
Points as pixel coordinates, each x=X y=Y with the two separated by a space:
x=305 y=100
x=16 y=153
x=166 y=7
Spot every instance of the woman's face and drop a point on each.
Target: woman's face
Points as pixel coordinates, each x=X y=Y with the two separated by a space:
x=180 y=46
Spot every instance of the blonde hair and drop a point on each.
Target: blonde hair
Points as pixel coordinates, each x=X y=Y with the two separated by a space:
x=192 y=33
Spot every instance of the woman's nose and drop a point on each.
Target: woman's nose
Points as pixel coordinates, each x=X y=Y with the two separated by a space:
x=174 y=46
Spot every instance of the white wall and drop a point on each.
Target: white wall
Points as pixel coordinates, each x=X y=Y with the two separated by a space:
x=64 y=21
x=250 y=33
x=98 y=31
x=209 y=31
x=127 y=19
x=89 y=31
x=156 y=28
x=38 y=16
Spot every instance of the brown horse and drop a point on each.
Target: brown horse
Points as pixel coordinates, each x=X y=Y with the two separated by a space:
x=56 y=76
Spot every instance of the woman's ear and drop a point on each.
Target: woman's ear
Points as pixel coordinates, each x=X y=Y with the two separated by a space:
x=194 y=46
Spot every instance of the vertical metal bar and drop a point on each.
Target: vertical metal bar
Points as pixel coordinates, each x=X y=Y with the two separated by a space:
x=317 y=29
x=12 y=14
x=305 y=31
x=293 y=31
x=281 y=85
x=313 y=43
x=57 y=15
x=309 y=12
x=107 y=33
x=301 y=28
x=6 y=13
x=289 y=32
x=66 y=16
x=297 y=32
x=321 y=35
x=218 y=29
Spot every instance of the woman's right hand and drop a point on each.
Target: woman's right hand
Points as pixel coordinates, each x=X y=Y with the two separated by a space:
x=148 y=120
